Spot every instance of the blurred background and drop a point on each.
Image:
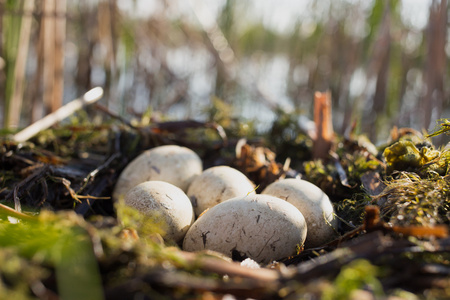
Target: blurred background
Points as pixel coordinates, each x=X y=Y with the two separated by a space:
x=384 y=62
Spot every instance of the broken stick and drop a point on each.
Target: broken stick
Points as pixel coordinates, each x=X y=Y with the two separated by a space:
x=324 y=126
x=63 y=112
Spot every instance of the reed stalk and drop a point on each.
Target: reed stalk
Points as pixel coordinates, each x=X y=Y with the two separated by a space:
x=11 y=31
x=436 y=61
x=107 y=38
x=48 y=43
x=60 y=39
x=18 y=84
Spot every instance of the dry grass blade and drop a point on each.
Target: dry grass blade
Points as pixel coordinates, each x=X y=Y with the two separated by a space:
x=411 y=200
x=14 y=213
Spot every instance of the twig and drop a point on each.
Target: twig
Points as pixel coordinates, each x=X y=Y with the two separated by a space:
x=83 y=207
x=39 y=172
x=74 y=194
x=92 y=174
x=164 y=280
x=67 y=184
x=242 y=282
x=114 y=115
x=63 y=112
x=175 y=126
x=372 y=246
x=232 y=269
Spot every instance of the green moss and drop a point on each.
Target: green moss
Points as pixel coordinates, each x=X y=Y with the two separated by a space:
x=406 y=156
x=352 y=210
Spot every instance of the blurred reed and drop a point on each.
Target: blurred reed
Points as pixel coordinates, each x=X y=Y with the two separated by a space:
x=381 y=71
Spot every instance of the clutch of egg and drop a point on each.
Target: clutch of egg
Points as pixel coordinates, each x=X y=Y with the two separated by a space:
x=234 y=220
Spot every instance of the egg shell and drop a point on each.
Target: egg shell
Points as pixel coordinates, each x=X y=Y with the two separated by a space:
x=216 y=185
x=174 y=164
x=160 y=199
x=261 y=227
x=314 y=204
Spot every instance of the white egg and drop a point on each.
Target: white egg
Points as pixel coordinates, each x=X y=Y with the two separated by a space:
x=166 y=202
x=216 y=185
x=174 y=164
x=261 y=227
x=314 y=204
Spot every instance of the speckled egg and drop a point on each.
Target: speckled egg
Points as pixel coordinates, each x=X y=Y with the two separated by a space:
x=314 y=204
x=216 y=185
x=261 y=227
x=163 y=201
x=173 y=164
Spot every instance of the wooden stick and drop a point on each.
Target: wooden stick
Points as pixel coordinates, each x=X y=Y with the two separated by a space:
x=63 y=112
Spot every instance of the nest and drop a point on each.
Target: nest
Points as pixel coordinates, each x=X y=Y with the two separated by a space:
x=393 y=211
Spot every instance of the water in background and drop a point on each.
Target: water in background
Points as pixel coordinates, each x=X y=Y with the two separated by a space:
x=271 y=75
x=174 y=56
